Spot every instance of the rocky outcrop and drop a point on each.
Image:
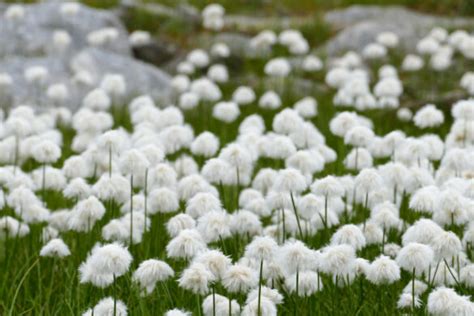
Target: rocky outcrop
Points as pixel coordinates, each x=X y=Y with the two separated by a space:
x=70 y=44
x=359 y=25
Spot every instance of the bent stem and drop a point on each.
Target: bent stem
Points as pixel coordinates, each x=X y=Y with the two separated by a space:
x=296 y=214
x=12 y=305
x=431 y=282
x=451 y=272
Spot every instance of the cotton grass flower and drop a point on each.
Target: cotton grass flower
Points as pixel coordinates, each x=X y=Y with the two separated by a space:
x=196 y=278
x=239 y=279
x=428 y=116
x=349 y=234
x=55 y=248
x=445 y=301
x=243 y=95
x=151 y=271
x=267 y=307
x=111 y=259
x=108 y=306
x=219 y=305
x=186 y=244
x=338 y=260
x=177 y=312
x=383 y=270
x=407 y=300
x=226 y=111
x=416 y=258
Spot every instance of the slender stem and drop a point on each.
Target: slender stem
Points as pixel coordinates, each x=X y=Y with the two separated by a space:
x=395 y=194
x=383 y=239
x=284 y=225
x=17 y=150
x=297 y=288
x=12 y=305
x=198 y=299
x=221 y=188
x=110 y=161
x=146 y=197
x=6 y=248
x=89 y=231
x=43 y=182
x=131 y=210
x=115 y=295
x=356 y=157
x=451 y=272
x=296 y=214
x=238 y=189
x=413 y=291
x=434 y=273
x=259 y=311
x=223 y=244
x=213 y=300
x=366 y=204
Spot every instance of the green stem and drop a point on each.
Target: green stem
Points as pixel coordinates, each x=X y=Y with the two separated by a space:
x=110 y=161
x=198 y=299
x=259 y=312
x=213 y=300
x=115 y=295
x=296 y=214
x=131 y=210
x=43 y=183
x=413 y=291
x=12 y=305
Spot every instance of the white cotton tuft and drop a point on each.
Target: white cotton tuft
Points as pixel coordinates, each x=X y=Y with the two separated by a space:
x=55 y=248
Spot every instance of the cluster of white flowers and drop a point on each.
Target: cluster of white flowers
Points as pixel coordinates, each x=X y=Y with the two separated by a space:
x=273 y=171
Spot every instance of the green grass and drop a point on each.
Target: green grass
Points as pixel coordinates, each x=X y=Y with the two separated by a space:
x=30 y=285
x=303 y=7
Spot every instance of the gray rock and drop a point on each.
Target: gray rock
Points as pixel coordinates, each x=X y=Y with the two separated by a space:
x=184 y=12
x=140 y=77
x=156 y=52
x=359 y=26
x=257 y=23
x=32 y=36
x=27 y=43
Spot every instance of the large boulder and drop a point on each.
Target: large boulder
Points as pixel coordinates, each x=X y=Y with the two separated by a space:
x=359 y=26
x=98 y=46
x=140 y=77
x=32 y=35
